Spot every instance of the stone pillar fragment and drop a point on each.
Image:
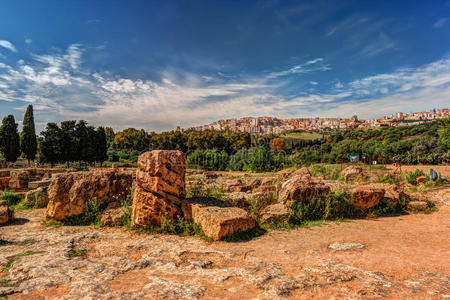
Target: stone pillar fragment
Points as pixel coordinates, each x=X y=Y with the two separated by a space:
x=160 y=187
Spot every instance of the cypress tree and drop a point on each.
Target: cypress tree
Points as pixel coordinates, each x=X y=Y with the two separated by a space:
x=9 y=139
x=28 y=136
x=101 y=146
x=68 y=142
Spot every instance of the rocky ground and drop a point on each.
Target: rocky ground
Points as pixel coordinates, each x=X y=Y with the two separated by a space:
x=395 y=257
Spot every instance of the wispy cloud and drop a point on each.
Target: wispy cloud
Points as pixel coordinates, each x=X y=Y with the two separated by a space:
x=93 y=21
x=8 y=45
x=440 y=23
x=381 y=44
x=60 y=87
x=307 y=67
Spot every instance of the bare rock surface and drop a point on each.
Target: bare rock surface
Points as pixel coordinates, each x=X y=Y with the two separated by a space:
x=216 y=218
x=346 y=246
x=70 y=192
x=160 y=187
x=406 y=257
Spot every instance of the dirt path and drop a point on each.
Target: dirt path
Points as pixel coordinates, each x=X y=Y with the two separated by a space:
x=406 y=256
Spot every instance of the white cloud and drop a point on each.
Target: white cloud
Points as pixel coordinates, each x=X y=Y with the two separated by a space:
x=28 y=41
x=384 y=90
x=313 y=82
x=338 y=85
x=60 y=88
x=7 y=45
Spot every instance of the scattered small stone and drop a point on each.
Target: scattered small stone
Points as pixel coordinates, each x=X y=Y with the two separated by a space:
x=346 y=246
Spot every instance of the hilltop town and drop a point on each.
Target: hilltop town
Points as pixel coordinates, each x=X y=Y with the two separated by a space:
x=272 y=125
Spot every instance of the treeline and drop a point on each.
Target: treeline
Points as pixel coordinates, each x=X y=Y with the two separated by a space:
x=73 y=141
x=68 y=142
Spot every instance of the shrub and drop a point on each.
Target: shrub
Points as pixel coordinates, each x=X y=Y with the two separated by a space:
x=90 y=216
x=123 y=155
x=323 y=206
x=388 y=178
x=238 y=160
x=126 y=206
x=11 y=198
x=411 y=177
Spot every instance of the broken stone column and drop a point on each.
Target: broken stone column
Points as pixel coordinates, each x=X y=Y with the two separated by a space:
x=160 y=187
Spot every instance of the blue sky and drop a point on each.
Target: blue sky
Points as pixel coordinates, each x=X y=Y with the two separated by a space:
x=159 y=64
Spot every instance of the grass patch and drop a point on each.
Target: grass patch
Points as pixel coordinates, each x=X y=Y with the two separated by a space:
x=77 y=252
x=90 y=216
x=11 y=197
x=51 y=223
x=16 y=257
x=322 y=206
x=389 y=178
x=331 y=172
x=411 y=177
x=21 y=243
x=175 y=227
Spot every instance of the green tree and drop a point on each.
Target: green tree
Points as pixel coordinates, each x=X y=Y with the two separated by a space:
x=50 y=146
x=82 y=141
x=9 y=139
x=68 y=143
x=133 y=139
x=445 y=135
x=109 y=136
x=28 y=136
x=101 y=146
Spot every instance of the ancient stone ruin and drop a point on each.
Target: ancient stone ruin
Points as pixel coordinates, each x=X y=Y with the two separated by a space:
x=160 y=193
x=69 y=193
x=160 y=187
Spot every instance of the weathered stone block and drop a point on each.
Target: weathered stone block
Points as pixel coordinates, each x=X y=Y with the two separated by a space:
x=216 y=218
x=70 y=192
x=160 y=181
